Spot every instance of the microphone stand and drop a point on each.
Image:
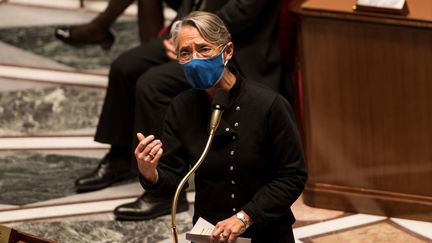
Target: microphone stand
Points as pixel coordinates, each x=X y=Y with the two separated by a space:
x=214 y=123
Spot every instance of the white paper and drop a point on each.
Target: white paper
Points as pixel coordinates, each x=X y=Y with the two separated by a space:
x=202 y=227
x=201 y=232
x=393 y=4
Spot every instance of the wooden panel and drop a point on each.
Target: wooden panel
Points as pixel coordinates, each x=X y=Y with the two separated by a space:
x=419 y=10
x=14 y=236
x=368 y=115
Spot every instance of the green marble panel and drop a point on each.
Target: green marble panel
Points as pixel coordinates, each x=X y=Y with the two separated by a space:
x=53 y=110
x=40 y=40
x=28 y=177
x=148 y=231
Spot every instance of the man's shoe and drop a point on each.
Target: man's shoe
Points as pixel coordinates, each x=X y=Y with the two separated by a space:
x=64 y=34
x=105 y=174
x=148 y=206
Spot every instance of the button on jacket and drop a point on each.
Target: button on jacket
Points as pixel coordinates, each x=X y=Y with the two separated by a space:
x=255 y=163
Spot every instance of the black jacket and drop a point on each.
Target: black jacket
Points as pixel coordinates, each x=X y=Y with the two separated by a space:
x=255 y=163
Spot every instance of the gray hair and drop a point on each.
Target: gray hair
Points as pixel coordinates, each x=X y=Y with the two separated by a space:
x=209 y=25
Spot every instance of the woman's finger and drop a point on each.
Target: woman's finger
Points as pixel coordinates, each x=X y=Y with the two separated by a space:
x=144 y=142
x=150 y=146
x=152 y=153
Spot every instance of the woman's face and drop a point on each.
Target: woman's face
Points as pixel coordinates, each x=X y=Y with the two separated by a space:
x=192 y=45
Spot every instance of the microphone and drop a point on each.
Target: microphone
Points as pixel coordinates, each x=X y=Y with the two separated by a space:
x=219 y=104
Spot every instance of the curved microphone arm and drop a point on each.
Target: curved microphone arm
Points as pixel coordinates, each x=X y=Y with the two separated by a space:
x=219 y=104
x=185 y=179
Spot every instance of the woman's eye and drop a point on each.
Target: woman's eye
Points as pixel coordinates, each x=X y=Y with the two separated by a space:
x=184 y=54
x=205 y=50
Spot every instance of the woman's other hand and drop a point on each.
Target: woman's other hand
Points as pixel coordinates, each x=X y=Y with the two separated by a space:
x=148 y=152
x=228 y=230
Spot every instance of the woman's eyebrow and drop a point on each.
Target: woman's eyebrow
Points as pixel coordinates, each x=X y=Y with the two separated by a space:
x=182 y=48
x=203 y=44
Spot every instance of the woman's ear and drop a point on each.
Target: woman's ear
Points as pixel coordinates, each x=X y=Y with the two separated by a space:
x=229 y=51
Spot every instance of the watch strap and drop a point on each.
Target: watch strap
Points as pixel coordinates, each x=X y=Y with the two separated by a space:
x=242 y=218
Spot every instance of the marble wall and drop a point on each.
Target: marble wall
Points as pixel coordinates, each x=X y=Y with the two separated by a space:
x=40 y=40
x=27 y=177
x=58 y=109
x=149 y=231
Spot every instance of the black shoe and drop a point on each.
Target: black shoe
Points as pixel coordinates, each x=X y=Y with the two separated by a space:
x=149 y=207
x=107 y=172
x=65 y=34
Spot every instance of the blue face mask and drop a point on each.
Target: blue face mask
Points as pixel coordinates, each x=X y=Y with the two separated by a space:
x=204 y=73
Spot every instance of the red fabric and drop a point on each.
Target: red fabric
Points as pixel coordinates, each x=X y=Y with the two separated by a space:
x=287 y=32
x=288 y=29
x=163 y=31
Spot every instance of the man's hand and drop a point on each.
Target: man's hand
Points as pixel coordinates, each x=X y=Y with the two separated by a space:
x=170 y=50
x=148 y=153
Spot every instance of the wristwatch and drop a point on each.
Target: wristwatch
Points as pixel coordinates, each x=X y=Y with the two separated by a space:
x=242 y=218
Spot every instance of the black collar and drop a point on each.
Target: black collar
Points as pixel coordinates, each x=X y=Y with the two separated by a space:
x=235 y=91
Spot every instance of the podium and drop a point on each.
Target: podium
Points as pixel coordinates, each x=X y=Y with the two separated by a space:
x=367 y=102
x=9 y=235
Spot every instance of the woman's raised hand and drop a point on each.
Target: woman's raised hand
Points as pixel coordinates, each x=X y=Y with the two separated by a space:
x=148 y=152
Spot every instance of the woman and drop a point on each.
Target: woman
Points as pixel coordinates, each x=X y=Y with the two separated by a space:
x=255 y=168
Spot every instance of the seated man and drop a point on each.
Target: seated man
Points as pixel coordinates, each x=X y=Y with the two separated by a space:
x=143 y=80
x=97 y=32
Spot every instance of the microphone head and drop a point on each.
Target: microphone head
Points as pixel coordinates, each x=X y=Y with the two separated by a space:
x=220 y=99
